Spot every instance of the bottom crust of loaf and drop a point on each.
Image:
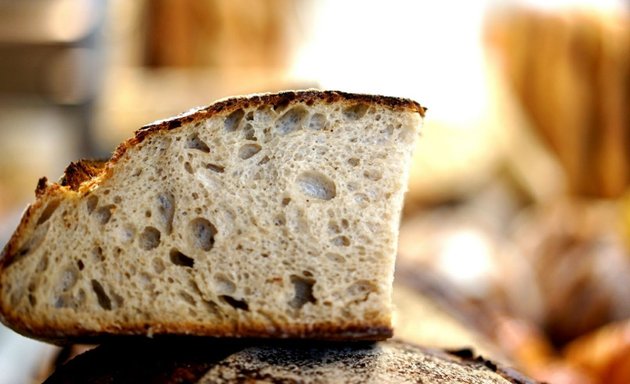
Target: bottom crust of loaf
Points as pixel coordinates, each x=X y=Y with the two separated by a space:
x=61 y=334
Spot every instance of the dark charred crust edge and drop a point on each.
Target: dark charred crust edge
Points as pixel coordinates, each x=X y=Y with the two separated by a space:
x=42 y=186
x=81 y=171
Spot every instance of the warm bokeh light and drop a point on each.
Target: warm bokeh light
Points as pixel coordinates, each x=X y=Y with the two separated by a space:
x=419 y=49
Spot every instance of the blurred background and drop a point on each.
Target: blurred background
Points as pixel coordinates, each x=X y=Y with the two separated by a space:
x=515 y=238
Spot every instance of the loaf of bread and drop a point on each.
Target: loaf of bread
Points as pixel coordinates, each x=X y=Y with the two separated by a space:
x=226 y=361
x=271 y=215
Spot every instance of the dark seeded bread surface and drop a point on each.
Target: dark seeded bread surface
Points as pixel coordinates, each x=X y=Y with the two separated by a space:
x=245 y=361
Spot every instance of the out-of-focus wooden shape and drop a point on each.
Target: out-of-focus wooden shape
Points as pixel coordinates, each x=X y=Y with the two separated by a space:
x=571 y=73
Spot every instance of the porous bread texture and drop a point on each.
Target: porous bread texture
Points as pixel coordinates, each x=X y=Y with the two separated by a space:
x=266 y=216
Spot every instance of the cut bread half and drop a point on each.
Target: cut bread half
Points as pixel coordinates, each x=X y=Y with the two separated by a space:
x=271 y=215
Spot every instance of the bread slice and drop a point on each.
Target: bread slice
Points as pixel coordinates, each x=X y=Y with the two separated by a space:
x=228 y=361
x=265 y=216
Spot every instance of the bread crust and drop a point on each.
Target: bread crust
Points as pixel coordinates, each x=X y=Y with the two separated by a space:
x=81 y=177
x=320 y=331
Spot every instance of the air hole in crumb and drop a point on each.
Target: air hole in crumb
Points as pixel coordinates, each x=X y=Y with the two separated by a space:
x=147 y=214
x=223 y=284
x=249 y=116
x=31 y=300
x=356 y=111
x=361 y=198
x=97 y=254
x=264 y=160
x=48 y=211
x=280 y=219
x=213 y=308
x=60 y=301
x=317 y=122
x=187 y=298
x=361 y=289
x=353 y=161
x=103 y=214
x=91 y=203
x=158 y=265
x=125 y=233
x=215 y=168
x=249 y=133
x=31 y=244
x=333 y=227
x=180 y=259
x=337 y=258
x=188 y=167
x=235 y=303
x=117 y=199
x=149 y=238
x=341 y=241
x=233 y=120
x=80 y=297
x=303 y=287
x=103 y=300
x=42 y=265
x=281 y=106
x=248 y=150
x=286 y=201
x=317 y=185
x=166 y=208
x=292 y=120
x=373 y=174
x=68 y=279
x=202 y=232
x=80 y=265
x=194 y=142
x=195 y=195
x=118 y=300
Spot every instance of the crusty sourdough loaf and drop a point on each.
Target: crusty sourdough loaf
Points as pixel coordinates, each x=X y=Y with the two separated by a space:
x=269 y=216
x=229 y=361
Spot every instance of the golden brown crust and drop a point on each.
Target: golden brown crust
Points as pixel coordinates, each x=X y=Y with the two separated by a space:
x=323 y=331
x=81 y=171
